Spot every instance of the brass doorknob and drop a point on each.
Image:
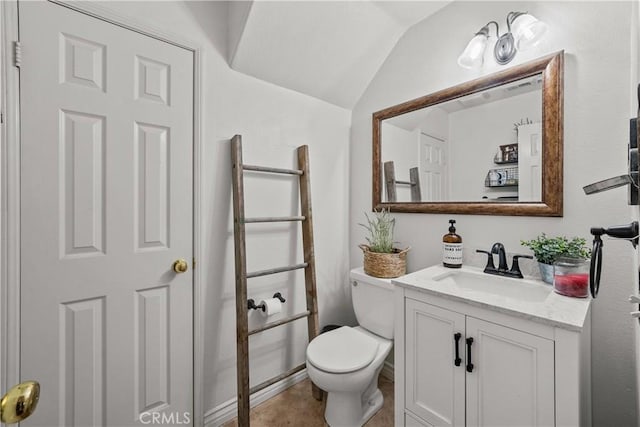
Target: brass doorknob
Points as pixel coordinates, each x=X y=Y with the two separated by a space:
x=180 y=266
x=19 y=402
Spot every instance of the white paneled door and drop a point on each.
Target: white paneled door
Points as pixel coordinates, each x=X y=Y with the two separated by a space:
x=433 y=162
x=106 y=210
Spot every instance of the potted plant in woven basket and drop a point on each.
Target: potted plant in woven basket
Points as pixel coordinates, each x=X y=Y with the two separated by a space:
x=548 y=249
x=381 y=259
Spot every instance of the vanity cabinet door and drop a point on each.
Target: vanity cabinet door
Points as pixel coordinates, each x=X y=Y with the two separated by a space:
x=434 y=385
x=512 y=383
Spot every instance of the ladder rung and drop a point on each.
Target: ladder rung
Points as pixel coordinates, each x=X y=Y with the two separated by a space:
x=278 y=378
x=271 y=170
x=276 y=270
x=275 y=219
x=404 y=182
x=280 y=322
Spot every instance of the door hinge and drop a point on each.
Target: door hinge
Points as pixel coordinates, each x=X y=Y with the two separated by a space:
x=17 y=54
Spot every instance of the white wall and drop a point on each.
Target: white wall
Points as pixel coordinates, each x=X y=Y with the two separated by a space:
x=634 y=54
x=598 y=93
x=401 y=147
x=437 y=123
x=273 y=121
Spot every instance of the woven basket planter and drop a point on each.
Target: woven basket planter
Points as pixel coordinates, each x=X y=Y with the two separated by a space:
x=386 y=266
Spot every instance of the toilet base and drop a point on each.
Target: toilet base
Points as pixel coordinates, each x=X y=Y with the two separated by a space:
x=347 y=409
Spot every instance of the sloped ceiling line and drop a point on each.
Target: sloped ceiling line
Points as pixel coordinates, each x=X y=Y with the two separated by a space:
x=330 y=50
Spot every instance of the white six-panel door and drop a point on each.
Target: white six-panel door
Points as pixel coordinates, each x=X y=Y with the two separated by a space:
x=434 y=169
x=106 y=208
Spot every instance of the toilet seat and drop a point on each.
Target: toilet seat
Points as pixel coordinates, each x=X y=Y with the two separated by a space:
x=342 y=350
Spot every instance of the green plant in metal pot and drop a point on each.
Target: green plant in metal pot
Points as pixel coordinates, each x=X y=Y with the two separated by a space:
x=548 y=249
x=381 y=259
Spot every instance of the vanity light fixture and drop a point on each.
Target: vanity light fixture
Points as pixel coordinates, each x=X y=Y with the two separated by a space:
x=523 y=32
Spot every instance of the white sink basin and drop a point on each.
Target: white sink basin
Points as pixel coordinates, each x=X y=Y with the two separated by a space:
x=482 y=283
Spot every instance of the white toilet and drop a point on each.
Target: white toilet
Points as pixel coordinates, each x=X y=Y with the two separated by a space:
x=345 y=362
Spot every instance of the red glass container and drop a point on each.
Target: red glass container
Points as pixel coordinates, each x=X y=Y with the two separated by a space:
x=571 y=277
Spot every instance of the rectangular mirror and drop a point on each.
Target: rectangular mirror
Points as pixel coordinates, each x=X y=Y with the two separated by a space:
x=489 y=146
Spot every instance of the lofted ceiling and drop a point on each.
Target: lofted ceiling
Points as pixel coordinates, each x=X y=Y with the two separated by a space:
x=330 y=50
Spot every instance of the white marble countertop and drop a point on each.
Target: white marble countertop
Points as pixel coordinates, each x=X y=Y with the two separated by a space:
x=527 y=298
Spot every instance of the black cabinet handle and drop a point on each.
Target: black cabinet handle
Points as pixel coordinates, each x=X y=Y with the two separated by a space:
x=469 y=364
x=457 y=337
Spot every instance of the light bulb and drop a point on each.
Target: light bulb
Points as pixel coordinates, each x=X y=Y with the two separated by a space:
x=527 y=31
x=473 y=55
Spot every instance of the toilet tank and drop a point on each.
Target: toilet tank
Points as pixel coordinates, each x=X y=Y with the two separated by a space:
x=373 y=303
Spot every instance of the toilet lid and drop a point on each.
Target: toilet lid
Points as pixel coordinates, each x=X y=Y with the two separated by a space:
x=342 y=350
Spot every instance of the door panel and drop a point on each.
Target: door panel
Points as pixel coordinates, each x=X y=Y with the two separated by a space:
x=82 y=365
x=151 y=150
x=106 y=207
x=82 y=189
x=435 y=386
x=512 y=383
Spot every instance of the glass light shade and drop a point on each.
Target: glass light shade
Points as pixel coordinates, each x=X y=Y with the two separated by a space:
x=527 y=31
x=473 y=54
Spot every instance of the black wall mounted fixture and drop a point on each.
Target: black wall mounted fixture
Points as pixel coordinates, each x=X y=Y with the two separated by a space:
x=627 y=232
x=633 y=159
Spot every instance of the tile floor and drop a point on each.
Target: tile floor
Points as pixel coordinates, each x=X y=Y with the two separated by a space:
x=296 y=407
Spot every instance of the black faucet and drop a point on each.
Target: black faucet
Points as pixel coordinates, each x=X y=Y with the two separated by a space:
x=498 y=248
x=503 y=267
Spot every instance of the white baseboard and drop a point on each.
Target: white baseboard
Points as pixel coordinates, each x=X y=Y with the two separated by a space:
x=229 y=410
x=387 y=371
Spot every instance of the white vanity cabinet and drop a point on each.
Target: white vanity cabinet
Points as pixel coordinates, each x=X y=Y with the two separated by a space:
x=523 y=370
x=508 y=380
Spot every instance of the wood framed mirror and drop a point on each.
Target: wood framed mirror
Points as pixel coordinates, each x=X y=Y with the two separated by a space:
x=490 y=146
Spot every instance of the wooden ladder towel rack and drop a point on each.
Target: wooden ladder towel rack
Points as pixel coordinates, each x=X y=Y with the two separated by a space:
x=239 y=222
x=391 y=182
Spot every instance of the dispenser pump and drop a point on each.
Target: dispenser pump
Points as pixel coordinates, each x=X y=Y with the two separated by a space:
x=452 y=247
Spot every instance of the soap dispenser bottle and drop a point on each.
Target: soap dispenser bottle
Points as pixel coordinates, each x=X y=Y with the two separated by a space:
x=452 y=247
